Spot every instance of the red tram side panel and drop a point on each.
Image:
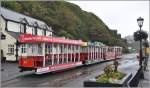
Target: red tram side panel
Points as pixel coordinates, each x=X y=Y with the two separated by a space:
x=30 y=62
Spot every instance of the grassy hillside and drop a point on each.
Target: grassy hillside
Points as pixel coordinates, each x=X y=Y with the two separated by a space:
x=67 y=20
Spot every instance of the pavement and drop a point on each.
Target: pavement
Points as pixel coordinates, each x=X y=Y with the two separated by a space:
x=10 y=70
x=146 y=81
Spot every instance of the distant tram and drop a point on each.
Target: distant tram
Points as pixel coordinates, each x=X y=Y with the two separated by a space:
x=47 y=54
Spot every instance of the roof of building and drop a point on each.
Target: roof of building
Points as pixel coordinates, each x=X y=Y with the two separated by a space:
x=18 y=17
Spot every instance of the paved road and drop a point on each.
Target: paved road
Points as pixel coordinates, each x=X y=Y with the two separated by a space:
x=69 y=78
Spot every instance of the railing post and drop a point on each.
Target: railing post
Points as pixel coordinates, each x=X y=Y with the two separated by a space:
x=43 y=54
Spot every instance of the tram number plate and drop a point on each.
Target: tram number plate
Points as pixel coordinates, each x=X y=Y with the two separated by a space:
x=43 y=69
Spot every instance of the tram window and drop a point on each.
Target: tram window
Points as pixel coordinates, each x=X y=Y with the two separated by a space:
x=54 y=49
x=65 y=60
x=76 y=59
x=68 y=50
x=58 y=49
x=64 y=49
x=29 y=48
x=69 y=59
x=48 y=49
x=110 y=49
x=48 y=62
x=77 y=49
x=86 y=49
x=23 y=48
x=74 y=49
x=60 y=61
x=55 y=61
x=39 y=49
x=33 y=48
x=104 y=49
x=61 y=48
x=82 y=50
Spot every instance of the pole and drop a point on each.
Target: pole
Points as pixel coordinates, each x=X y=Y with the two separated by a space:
x=141 y=56
x=141 y=53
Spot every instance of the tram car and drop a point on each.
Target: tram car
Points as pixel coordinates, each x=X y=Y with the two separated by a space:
x=97 y=52
x=47 y=54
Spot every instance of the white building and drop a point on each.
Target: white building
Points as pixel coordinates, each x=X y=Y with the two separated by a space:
x=12 y=24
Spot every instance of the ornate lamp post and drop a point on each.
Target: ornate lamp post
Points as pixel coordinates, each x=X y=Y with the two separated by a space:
x=140 y=23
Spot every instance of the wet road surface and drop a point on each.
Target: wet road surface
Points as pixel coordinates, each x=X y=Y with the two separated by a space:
x=68 y=78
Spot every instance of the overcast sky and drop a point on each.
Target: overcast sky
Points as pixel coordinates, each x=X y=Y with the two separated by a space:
x=120 y=15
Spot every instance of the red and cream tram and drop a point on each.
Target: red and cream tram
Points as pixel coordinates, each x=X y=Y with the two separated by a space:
x=46 y=54
x=94 y=53
x=112 y=52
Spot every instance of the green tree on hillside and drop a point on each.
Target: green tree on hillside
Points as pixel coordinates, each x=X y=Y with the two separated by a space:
x=67 y=20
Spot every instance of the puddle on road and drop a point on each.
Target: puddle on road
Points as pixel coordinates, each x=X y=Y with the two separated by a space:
x=59 y=82
x=85 y=72
x=52 y=80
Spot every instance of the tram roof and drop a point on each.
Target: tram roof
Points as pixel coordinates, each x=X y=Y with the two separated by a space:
x=28 y=38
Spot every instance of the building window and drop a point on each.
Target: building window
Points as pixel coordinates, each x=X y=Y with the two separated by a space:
x=50 y=34
x=43 y=32
x=22 y=28
x=35 y=30
x=11 y=49
x=40 y=32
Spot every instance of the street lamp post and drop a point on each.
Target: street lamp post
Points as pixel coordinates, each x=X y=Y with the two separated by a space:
x=140 y=23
